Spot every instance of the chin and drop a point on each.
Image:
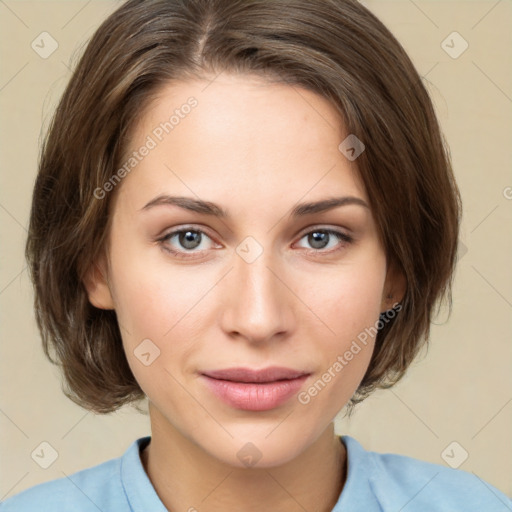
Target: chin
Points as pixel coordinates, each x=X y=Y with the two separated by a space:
x=260 y=448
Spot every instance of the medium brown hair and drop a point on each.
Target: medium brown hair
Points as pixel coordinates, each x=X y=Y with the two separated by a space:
x=335 y=48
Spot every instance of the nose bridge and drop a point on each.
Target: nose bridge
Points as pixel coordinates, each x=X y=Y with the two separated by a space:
x=259 y=304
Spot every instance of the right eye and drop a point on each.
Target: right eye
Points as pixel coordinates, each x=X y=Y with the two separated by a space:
x=186 y=241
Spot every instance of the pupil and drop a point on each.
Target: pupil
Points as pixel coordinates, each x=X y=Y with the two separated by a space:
x=187 y=239
x=318 y=239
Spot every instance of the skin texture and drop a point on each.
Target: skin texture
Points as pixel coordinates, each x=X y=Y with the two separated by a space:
x=256 y=149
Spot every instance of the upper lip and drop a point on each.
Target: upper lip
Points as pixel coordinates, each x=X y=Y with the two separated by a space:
x=270 y=374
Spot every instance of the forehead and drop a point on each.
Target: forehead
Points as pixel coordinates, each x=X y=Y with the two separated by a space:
x=239 y=133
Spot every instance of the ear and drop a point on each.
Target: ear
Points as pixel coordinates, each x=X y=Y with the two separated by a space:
x=97 y=286
x=395 y=287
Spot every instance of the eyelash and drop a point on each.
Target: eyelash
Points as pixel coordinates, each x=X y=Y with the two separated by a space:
x=343 y=237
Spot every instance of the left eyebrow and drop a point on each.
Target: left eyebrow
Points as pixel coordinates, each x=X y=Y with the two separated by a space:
x=326 y=204
x=209 y=208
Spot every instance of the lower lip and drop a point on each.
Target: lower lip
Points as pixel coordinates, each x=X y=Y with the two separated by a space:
x=250 y=396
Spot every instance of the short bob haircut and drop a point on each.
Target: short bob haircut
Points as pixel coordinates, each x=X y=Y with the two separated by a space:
x=335 y=48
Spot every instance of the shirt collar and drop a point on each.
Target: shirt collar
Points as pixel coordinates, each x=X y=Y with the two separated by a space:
x=136 y=484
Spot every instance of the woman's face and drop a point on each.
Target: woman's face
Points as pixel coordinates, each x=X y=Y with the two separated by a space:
x=269 y=284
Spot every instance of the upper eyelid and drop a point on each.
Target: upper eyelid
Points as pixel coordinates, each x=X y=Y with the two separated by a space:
x=324 y=227
x=175 y=231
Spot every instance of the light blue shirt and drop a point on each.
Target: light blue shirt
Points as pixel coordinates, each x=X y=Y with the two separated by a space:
x=375 y=483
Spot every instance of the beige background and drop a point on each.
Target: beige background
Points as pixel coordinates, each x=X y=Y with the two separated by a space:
x=461 y=391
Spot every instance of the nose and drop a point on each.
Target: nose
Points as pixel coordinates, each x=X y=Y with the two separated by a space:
x=258 y=306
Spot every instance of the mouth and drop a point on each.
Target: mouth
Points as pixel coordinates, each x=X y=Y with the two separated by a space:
x=255 y=390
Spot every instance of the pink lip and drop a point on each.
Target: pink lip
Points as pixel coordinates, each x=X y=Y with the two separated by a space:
x=255 y=390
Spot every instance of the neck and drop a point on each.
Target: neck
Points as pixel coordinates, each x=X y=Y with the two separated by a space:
x=186 y=477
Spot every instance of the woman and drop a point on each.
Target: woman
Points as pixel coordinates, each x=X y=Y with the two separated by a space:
x=245 y=212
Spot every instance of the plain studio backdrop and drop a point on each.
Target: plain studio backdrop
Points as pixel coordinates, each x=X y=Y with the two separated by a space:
x=454 y=406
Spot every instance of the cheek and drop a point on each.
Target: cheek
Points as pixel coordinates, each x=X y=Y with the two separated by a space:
x=343 y=358
x=151 y=294
x=158 y=306
x=348 y=304
x=347 y=298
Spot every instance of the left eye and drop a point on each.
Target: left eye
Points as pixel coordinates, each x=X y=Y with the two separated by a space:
x=319 y=238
